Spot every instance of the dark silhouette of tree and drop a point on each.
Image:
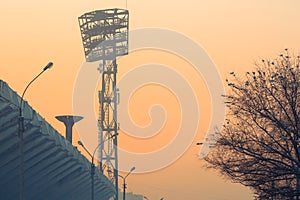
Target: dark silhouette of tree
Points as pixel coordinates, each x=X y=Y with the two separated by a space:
x=259 y=143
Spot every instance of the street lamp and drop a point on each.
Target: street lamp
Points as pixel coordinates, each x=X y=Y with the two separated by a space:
x=92 y=163
x=124 y=181
x=21 y=132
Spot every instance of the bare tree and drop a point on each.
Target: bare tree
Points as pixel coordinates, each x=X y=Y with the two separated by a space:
x=259 y=143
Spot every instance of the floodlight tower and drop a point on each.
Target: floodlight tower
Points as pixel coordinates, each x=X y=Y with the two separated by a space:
x=105 y=37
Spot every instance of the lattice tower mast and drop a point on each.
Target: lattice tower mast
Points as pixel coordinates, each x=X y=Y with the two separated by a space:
x=105 y=37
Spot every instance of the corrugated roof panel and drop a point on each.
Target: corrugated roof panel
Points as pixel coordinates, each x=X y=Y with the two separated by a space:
x=54 y=169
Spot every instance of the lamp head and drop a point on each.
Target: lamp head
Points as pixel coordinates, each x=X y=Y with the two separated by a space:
x=48 y=66
x=80 y=143
x=132 y=169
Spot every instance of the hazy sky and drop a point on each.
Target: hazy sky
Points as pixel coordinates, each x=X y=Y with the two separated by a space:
x=233 y=33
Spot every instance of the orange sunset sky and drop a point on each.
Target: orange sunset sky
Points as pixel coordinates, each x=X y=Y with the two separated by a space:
x=233 y=33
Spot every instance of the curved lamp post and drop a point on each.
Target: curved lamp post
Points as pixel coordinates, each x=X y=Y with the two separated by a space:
x=124 y=181
x=92 y=163
x=21 y=131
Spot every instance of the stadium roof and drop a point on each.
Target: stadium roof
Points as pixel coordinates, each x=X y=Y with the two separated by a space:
x=54 y=168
